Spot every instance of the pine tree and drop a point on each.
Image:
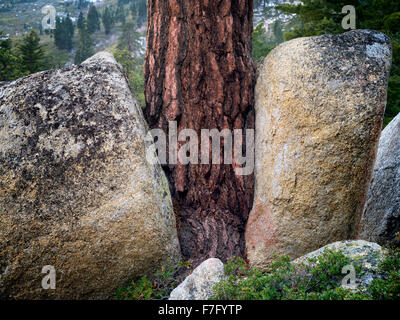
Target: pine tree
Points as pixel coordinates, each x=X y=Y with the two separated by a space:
x=139 y=11
x=82 y=4
x=93 y=20
x=133 y=10
x=10 y=63
x=142 y=11
x=85 y=47
x=107 y=21
x=69 y=26
x=64 y=33
x=81 y=21
x=32 y=53
x=58 y=34
x=130 y=38
x=121 y=14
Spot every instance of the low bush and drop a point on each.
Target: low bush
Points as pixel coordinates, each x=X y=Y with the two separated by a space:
x=320 y=279
x=158 y=288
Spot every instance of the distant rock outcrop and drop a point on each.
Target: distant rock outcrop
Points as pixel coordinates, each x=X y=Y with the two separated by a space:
x=199 y=285
x=320 y=103
x=76 y=191
x=381 y=218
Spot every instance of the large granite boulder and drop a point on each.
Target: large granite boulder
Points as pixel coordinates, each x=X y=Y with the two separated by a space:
x=200 y=284
x=381 y=218
x=76 y=191
x=320 y=103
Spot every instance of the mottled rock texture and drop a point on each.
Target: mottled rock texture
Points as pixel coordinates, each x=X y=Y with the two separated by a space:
x=199 y=285
x=76 y=191
x=320 y=103
x=381 y=218
x=365 y=255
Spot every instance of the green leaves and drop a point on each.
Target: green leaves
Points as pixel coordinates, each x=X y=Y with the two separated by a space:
x=10 y=62
x=165 y=280
x=32 y=53
x=107 y=20
x=128 y=54
x=260 y=46
x=388 y=288
x=85 y=47
x=63 y=33
x=318 y=279
x=283 y=280
x=93 y=20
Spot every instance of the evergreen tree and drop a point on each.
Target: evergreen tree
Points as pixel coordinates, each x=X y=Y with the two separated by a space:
x=32 y=53
x=139 y=11
x=81 y=21
x=107 y=20
x=10 y=64
x=260 y=45
x=130 y=38
x=315 y=17
x=93 y=20
x=142 y=11
x=82 y=4
x=133 y=10
x=277 y=30
x=120 y=14
x=85 y=47
x=64 y=33
x=69 y=26
x=58 y=34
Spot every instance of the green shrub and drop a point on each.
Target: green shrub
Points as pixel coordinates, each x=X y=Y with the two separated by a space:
x=165 y=280
x=283 y=280
x=388 y=288
x=319 y=279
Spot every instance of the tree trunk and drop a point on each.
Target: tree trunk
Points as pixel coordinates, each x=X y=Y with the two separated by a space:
x=199 y=73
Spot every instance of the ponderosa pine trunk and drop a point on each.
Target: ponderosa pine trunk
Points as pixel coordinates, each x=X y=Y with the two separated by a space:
x=199 y=73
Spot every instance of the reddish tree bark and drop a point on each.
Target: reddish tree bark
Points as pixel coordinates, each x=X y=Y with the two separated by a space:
x=199 y=72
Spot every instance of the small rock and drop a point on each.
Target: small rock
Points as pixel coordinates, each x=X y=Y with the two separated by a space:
x=199 y=285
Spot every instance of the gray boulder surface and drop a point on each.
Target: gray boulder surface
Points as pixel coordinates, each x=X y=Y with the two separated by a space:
x=381 y=218
x=320 y=103
x=76 y=190
x=199 y=285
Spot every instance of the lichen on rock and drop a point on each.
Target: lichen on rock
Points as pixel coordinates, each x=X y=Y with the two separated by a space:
x=381 y=217
x=76 y=190
x=320 y=103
